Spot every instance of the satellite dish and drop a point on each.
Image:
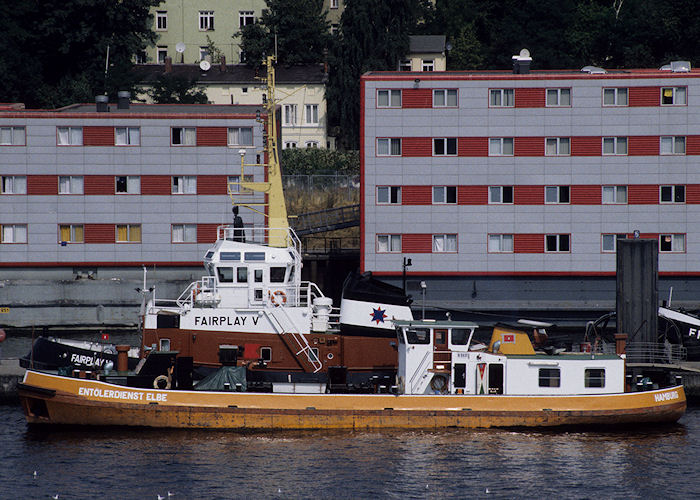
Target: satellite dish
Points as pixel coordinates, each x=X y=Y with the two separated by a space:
x=524 y=53
x=180 y=47
x=204 y=65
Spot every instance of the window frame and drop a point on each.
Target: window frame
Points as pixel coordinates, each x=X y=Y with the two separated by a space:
x=446 y=238
x=674 y=142
x=72 y=230
x=128 y=134
x=69 y=129
x=129 y=229
x=561 y=192
x=558 y=142
x=290 y=145
x=161 y=50
x=501 y=191
x=502 y=141
x=128 y=179
x=552 y=377
x=616 y=143
x=558 y=242
x=615 y=191
x=504 y=94
x=71 y=184
x=447 y=142
x=427 y=65
x=391 y=238
x=313 y=108
x=615 y=238
x=178 y=184
x=446 y=98
x=673 y=249
x=14 y=233
x=675 y=190
x=239 y=133
x=290 y=111
x=185 y=227
x=161 y=20
x=448 y=193
x=500 y=238
x=390 y=95
x=245 y=17
x=14 y=134
x=16 y=190
x=392 y=193
x=559 y=92
x=390 y=143
x=183 y=137
x=616 y=96
x=591 y=381
x=674 y=98
x=206 y=20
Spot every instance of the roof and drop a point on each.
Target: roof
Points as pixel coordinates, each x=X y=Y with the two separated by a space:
x=234 y=73
x=426 y=43
x=139 y=108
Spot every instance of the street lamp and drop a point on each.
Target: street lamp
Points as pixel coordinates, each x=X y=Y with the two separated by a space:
x=406 y=263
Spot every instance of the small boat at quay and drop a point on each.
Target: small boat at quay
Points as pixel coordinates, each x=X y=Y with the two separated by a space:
x=445 y=379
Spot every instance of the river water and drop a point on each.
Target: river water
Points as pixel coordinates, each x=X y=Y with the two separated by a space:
x=85 y=463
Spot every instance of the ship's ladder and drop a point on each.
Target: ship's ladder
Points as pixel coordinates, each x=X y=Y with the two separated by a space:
x=300 y=346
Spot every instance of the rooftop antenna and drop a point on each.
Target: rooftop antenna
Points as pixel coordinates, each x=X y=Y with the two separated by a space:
x=106 y=68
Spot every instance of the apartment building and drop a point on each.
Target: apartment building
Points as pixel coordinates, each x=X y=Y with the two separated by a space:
x=507 y=191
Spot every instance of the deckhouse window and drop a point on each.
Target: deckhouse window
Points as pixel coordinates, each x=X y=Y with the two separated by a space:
x=225 y=274
x=460 y=336
x=549 y=377
x=242 y=275
x=594 y=377
x=418 y=336
x=277 y=274
x=255 y=256
x=230 y=256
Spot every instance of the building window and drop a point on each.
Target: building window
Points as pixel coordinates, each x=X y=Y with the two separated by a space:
x=127 y=184
x=614 y=145
x=501 y=146
x=557 y=146
x=444 y=243
x=389 y=147
x=161 y=54
x=609 y=243
x=70 y=233
x=206 y=20
x=12 y=136
x=558 y=97
x=674 y=96
x=428 y=65
x=405 y=65
x=13 y=233
x=266 y=354
x=334 y=4
x=70 y=184
x=184 y=184
x=500 y=243
x=445 y=146
x=615 y=97
x=14 y=184
x=388 y=243
x=234 y=186
x=672 y=194
x=500 y=194
x=557 y=243
x=389 y=195
x=389 y=98
x=445 y=98
x=549 y=377
x=245 y=17
x=673 y=145
x=184 y=233
x=128 y=233
x=289 y=115
x=614 y=195
x=444 y=194
x=127 y=136
x=240 y=136
x=502 y=98
x=556 y=194
x=672 y=243
x=311 y=114
x=311 y=144
x=290 y=144
x=161 y=20
x=335 y=29
x=70 y=136
x=184 y=136
x=594 y=377
x=203 y=53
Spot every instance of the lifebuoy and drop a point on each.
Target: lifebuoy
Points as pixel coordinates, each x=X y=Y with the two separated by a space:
x=278 y=297
x=439 y=383
x=161 y=382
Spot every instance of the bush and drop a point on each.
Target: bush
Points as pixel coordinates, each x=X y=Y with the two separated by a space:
x=310 y=161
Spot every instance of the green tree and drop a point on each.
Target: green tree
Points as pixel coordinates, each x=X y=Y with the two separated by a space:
x=54 y=51
x=309 y=161
x=467 y=50
x=172 y=89
x=301 y=28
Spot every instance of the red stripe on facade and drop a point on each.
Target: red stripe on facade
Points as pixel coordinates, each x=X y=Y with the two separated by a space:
x=528 y=243
x=586 y=146
x=529 y=98
x=586 y=195
x=644 y=96
x=98 y=136
x=472 y=195
x=42 y=184
x=212 y=136
x=100 y=233
x=528 y=195
x=472 y=146
x=692 y=145
x=416 y=146
x=206 y=233
x=417 y=98
x=646 y=145
x=692 y=193
x=156 y=185
x=642 y=194
x=417 y=243
x=212 y=184
x=416 y=195
x=529 y=146
x=98 y=184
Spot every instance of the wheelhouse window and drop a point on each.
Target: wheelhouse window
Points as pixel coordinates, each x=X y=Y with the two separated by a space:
x=389 y=195
x=594 y=377
x=71 y=233
x=242 y=275
x=240 y=136
x=127 y=136
x=556 y=194
x=12 y=136
x=70 y=136
x=225 y=274
x=614 y=195
x=672 y=243
x=674 y=96
x=444 y=243
x=459 y=336
x=13 y=233
x=615 y=96
x=70 y=184
x=127 y=184
x=445 y=146
x=184 y=184
x=230 y=256
x=558 y=97
x=388 y=243
x=672 y=194
x=609 y=242
x=549 y=377
x=557 y=243
x=128 y=233
x=502 y=98
x=206 y=20
x=500 y=194
x=14 y=184
x=557 y=146
x=500 y=243
x=389 y=147
x=501 y=146
x=673 y=145
x=184 y=136
x=444 y=195
x=445 y=98
x=417 y=336
x=277 y=274
x=184 y=233
x=389 y=98
x=614 y=145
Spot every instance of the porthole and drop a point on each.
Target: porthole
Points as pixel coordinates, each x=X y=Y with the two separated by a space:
x=329 y=355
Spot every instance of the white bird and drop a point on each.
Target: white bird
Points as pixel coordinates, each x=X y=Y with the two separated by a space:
x=161 y=497
x=34 y=474
x=487 y=490
x=279 y=490
x=55 y=497
x=171 y=494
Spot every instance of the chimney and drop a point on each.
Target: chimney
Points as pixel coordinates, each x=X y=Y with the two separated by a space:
x=521 y=63
x=101 y=103
x=168 y=64
x=223 y=64
x=123 y=99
